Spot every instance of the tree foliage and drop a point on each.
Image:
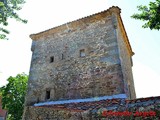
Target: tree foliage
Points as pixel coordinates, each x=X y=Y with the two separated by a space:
x=149 y=14
x=13 y=96
x=9 y=9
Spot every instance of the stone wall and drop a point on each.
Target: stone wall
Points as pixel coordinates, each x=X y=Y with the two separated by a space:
x=113 y=109
x=41 y=113
x=86 y=58
x=126 y=61
x=80 y=59
x=71 y=77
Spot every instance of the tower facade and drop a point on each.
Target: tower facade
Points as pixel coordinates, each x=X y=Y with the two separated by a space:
x=89 y=57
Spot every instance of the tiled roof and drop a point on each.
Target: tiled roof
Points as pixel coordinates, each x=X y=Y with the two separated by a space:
x=119 y=104
x=81 y=100
x=110 y=109
x=64 y=26
x=3 y=113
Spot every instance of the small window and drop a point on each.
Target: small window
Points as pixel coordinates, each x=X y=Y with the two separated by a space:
x=129 y=90
x=51 y=59
x=82 y=53
x=48 y=94
x=62 y=57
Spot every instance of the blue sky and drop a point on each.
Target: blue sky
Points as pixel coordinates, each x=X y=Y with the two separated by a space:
x=15 y=54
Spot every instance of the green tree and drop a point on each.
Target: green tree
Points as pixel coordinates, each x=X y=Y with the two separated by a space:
x=0 y=92
x=8 y=9
x=149 y=14
x=13 y=96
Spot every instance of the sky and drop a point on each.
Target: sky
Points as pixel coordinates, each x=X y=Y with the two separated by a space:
x=15 y=53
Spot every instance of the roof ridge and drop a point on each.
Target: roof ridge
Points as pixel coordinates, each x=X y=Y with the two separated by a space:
x=80 y=19
x=92 y=99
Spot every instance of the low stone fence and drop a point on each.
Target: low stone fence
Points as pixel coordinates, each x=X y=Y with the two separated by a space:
x=114 y=109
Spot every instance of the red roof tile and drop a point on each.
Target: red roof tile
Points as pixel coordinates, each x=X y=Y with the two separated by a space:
x=3 y=113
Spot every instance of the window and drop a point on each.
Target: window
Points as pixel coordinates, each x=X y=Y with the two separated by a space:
x=62 y=57
x=51 y=59
x=48 y=94
x=82 y=53
x=129 y=90
x=38 y=100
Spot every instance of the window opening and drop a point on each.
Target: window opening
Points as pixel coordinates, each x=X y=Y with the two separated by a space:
x=62 y=56
x=51 y=59
x=82 y=53
x=129 y=91
x=48 y=94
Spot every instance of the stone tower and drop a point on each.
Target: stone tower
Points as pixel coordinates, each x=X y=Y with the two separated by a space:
x=89 y=57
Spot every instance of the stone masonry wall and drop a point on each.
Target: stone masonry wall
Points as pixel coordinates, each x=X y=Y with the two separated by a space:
x=71 y=76
x=126 y=62
x=48 y=113
x=112 y=109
